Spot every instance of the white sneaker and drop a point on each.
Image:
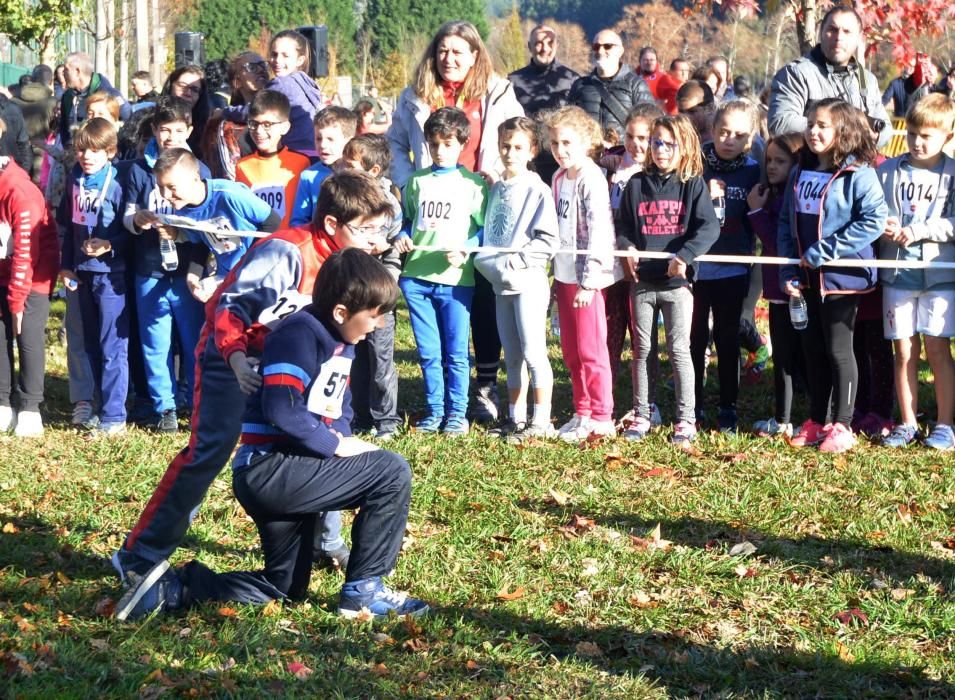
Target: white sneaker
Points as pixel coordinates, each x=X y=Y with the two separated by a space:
x=603 y=428
x=29 y=424
x=575 y=430
x=7 y=418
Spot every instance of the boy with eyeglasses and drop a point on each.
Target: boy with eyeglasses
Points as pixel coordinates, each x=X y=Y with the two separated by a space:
x=273 y=171
x=274 y=279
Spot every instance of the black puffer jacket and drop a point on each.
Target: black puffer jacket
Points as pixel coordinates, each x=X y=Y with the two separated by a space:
x=628 y=87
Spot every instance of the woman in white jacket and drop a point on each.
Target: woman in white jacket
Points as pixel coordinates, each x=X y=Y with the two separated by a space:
x=455 y=71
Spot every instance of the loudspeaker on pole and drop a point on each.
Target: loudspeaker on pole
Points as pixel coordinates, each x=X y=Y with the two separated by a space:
x=190 y=49
x=317 y=38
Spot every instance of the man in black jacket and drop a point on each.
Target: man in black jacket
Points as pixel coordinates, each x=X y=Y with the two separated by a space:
x=612 y=89
x=543 y=84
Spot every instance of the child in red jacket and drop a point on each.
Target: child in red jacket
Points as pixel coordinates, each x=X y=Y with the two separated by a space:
x=29 y=262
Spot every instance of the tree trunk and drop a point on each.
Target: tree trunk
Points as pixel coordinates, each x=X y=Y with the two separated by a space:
x=124 y=27
x=779 y=40
x=157 y=35
x=806 y=28
x=142 y=34
x=102 y=30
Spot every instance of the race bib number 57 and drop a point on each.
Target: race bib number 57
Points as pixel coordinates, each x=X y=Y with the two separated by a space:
x=328 y=392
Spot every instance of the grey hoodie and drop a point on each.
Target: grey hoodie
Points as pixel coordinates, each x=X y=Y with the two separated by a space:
x=520 y=214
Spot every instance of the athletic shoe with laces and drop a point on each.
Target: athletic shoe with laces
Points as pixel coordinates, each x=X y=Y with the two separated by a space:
x=684 y=433
x=83 y=415
x=541 y=431
x=638 y=429
x=456 y=425
x=168 y=422
x=575 y=430
x=336 y=559
x=372 y=598
x=7 y=418
x=838 y=439
x=159 y=589
x=941 y=438
x=28 y=424
x=507 y=428
x=485 y=404
x=772 y=428
x=900 y=436
x=872 y=424
x=429 y=424
x=810 y=433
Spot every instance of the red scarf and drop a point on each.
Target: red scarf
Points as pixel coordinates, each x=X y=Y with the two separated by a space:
x=473 y=111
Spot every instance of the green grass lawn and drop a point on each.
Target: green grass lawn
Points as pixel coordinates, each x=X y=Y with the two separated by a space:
x=554 y=571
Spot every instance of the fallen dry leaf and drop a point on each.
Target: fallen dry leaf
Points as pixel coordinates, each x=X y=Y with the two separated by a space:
x=10 y=529
x=844 y=653
x=506 y=594
x=743 y=571
x=379 y=669
x=472 y=665
x=641 y=599
x=299 y=670
x=99 y=644
x=560 y=498
x=588 y=649
x=105 y=607
x=846 y=617
x=899 y=594
x=227 y=612
x=272 y=608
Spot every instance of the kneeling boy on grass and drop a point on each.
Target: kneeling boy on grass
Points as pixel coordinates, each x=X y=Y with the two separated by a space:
x=298 y=459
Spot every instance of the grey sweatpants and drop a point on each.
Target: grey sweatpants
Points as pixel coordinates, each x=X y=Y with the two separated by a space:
x=522 y=325
x=676 y=305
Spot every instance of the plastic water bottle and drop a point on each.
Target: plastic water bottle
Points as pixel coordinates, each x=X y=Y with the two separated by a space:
x=170 y=258
x=798 y=313
x=719 y=206
x=554 y=321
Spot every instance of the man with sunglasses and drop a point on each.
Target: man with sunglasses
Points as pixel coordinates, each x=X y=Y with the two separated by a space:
x=543 y=84
x=612 y=89
x=831 y=69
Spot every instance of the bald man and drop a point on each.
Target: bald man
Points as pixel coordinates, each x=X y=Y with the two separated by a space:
x=612 y=89
x=543 y=84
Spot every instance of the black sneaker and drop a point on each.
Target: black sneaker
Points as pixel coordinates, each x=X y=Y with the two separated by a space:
x=168 y=422
x=158 y=589
x=337 y=559
x=506 y=428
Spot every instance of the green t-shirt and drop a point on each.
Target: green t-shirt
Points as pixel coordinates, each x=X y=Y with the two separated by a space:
x=445 y=207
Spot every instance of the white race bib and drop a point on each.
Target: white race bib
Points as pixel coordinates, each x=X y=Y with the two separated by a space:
x=290 y=301
x=86 y=204
x=809 y=189
x=918 y=191
x=274 y=196
x=328 y=391
x=6 y=241
x=159 y=204
x=434 y=214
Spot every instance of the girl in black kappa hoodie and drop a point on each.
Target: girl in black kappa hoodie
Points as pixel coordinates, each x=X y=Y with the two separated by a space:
x=667 y=208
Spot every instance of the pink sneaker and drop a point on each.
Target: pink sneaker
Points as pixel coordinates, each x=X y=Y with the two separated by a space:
x=810 y=433
x=839 y=439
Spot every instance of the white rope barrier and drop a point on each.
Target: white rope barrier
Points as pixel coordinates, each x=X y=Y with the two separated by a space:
x=736 y=259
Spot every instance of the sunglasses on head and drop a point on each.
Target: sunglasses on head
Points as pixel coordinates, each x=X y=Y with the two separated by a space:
x=606 y=47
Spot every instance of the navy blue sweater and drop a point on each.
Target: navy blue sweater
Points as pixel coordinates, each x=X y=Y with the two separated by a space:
x=304 y=395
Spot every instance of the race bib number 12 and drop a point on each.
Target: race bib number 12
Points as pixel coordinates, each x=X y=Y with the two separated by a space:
x=290 y=301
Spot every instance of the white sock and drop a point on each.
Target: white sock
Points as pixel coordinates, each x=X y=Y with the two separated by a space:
x=517 y=412
x=542 y=413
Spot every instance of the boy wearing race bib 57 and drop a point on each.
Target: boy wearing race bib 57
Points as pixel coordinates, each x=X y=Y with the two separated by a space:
x=272 y=172
x=298 y=459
